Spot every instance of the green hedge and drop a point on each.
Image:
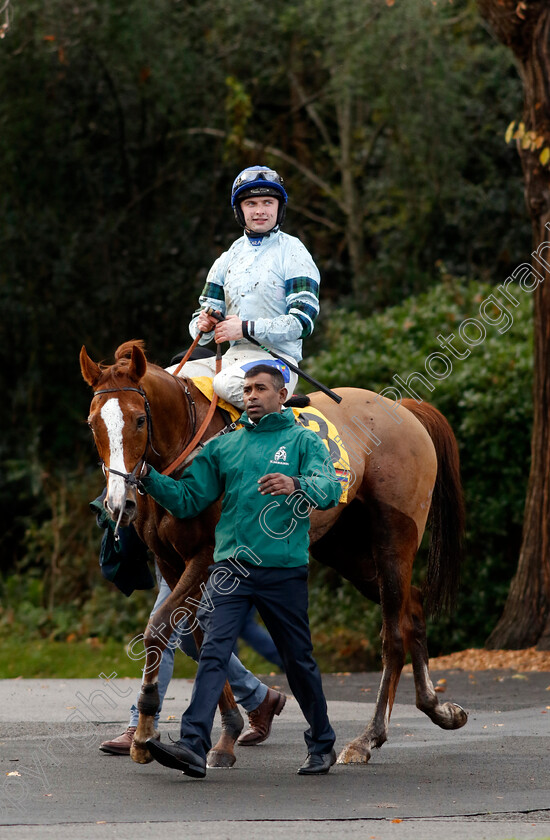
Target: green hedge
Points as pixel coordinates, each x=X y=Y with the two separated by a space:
x=486 y=398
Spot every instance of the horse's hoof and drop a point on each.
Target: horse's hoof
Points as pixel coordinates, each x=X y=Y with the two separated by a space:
x=460 y=716
x=354 y=754
x=449 y=716
x=140 y=754
x=215 y=758
x=139 y=751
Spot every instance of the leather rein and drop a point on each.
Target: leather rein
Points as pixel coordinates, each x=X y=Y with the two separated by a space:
x=209 y=414
x=131 y=479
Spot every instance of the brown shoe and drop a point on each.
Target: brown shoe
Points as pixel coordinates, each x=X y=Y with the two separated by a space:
x=120 y=745
x=260 y=719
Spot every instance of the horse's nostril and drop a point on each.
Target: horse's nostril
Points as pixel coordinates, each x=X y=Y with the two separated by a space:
x=130 y=506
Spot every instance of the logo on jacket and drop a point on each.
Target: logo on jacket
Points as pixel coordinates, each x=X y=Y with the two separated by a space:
x=280 y=457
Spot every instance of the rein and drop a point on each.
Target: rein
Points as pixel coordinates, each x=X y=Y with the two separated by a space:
x=209 y=414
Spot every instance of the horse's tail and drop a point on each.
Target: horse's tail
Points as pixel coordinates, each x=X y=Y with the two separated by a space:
x=446 y=519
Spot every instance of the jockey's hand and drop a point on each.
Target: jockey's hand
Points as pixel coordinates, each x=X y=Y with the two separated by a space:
x=205 y=322
x=276 y=484
x=229 y=330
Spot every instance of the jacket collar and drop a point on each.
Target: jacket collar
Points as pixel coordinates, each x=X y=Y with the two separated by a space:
x=257 y=239
x=269 y=422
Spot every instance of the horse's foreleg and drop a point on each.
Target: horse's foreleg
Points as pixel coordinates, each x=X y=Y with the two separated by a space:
x=148 y=702
x=156 y=637
x=446 y=715
x=222 y=753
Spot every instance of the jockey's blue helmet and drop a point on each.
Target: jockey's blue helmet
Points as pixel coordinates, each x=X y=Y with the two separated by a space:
x=257 y=181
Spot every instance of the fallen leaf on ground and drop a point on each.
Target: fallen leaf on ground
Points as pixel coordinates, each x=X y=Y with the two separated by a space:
x=479 y=659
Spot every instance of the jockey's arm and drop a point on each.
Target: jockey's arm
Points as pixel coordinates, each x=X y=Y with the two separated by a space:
x=301 y=310
x=212 y=297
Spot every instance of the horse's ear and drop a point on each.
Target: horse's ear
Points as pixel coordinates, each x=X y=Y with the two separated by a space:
x=138 y=363
x=90 y=370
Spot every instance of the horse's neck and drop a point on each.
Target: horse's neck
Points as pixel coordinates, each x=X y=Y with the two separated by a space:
x=202 y=404
x=177 y=411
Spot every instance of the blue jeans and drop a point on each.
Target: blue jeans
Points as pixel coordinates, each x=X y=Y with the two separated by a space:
x=247 y=689
x=281 y=598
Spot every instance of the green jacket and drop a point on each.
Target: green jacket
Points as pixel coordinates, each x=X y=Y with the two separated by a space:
x=271 y=530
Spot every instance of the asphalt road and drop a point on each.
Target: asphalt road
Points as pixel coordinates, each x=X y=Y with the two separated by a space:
x=490 y=779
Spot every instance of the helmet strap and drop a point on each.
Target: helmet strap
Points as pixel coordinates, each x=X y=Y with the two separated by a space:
x=252 y=235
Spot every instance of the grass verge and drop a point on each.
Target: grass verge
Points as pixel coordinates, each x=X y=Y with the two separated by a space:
x=45 y=659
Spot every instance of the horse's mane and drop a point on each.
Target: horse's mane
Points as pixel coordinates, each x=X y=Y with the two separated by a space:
x=124 y=351
x=123 y=355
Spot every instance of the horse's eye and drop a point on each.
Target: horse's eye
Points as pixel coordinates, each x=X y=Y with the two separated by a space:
x=141 y=421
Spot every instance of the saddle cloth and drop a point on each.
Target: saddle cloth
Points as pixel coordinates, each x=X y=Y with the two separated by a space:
x=309 y=417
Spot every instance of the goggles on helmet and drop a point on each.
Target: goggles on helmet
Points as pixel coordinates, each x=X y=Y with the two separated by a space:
x=255 y=175
x=260 y=176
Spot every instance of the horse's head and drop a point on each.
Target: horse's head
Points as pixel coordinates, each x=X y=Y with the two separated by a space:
x=120 y=421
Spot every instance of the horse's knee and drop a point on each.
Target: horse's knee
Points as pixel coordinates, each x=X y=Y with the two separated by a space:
x=149 y=701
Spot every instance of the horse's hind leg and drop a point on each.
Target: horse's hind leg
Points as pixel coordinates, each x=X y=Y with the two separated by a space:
x=394 y=547
x=446 y=715
x=222 y=753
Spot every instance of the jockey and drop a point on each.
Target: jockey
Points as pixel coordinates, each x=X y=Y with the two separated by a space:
x=266 y=285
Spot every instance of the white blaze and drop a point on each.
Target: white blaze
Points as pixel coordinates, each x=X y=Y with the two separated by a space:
x=111 y=414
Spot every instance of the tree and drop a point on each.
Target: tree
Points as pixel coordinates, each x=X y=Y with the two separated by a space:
x=525 y=27
x=370 y=111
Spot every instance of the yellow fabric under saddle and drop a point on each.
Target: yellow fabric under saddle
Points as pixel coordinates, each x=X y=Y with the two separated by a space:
x=308 y=417
x=314 y=420
x=205 y=386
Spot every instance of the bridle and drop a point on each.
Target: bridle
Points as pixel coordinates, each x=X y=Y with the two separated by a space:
x=132 y=479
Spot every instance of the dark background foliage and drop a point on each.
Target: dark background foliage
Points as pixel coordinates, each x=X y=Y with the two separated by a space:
x=121 y=130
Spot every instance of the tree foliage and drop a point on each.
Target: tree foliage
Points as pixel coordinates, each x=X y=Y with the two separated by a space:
x=487 y=400
x=525 y=28
x=121 y=129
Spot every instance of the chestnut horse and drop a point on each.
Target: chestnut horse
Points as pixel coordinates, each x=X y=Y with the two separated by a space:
x=405 y=469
